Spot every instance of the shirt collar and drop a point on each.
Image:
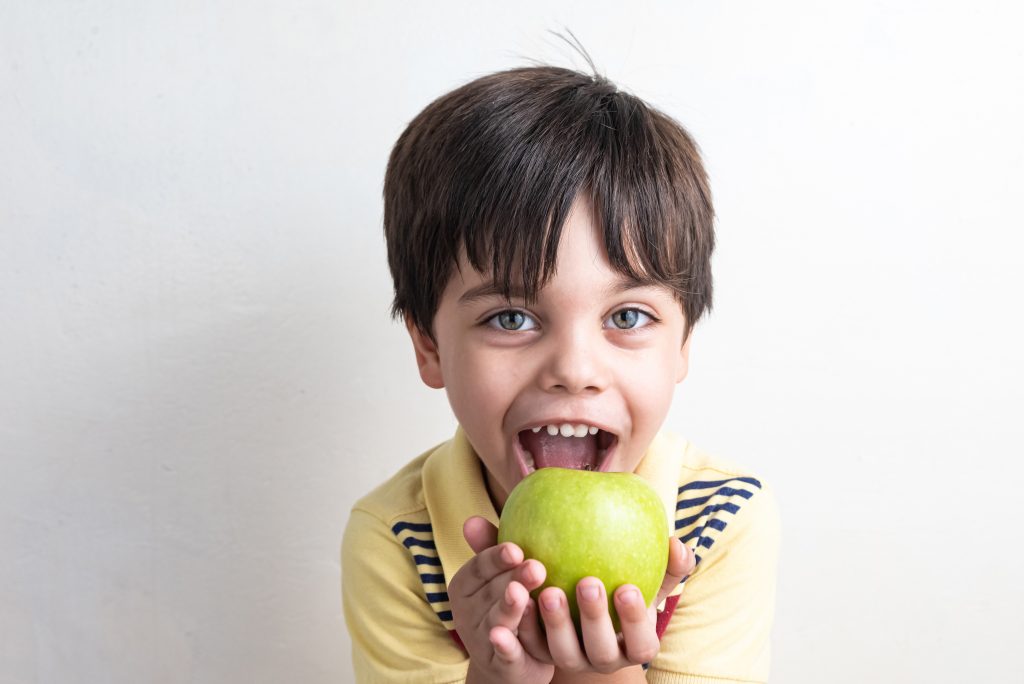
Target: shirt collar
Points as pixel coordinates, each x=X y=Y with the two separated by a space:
x=454 y=489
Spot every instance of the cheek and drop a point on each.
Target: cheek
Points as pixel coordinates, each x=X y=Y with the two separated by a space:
x=651 y=392
x=478 y=389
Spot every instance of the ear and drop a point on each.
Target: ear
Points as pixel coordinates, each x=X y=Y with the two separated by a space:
x=683 y=361
x=427 y=358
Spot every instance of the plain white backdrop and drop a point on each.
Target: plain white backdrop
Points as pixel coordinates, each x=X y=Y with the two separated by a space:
x=198 y=374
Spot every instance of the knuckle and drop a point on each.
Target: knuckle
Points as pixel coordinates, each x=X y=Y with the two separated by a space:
x=605 y=662
x=526 y=572
x=573 y=665
x=507 y=600
x=643 y=654
x=476 y=569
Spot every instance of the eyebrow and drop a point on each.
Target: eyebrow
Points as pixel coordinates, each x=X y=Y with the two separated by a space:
x=625 y=283
x=491 y=289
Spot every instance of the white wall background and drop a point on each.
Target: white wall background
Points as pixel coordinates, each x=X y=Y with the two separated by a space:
x=198 y=375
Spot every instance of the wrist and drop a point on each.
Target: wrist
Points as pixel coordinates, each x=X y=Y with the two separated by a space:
x=482 y=675
x=475 y=676
x=634 y=673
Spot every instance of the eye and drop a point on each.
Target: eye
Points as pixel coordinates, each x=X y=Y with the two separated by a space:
x=511 y=320
x=629 y=319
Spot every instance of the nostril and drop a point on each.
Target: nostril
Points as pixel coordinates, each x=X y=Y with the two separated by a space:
x=570 y=390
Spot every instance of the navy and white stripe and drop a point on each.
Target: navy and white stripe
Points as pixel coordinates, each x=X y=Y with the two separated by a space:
x=418 y=538
x=705 y=507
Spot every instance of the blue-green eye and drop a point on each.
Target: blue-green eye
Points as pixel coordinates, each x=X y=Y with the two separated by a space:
x=511 y=320
x=627 y=319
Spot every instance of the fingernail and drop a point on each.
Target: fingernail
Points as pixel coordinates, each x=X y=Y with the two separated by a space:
x=590 y=592
x=550 y=602
x=630 y=595
x=506 y=554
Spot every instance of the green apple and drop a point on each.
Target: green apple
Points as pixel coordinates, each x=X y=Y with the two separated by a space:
x=581 y=523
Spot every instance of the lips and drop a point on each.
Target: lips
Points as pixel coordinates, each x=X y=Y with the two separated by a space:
x=579 y=446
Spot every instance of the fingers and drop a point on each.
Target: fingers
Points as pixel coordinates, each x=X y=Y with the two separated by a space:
x=508 y=611
x=562 y=642
x=599 y=639
x=515 y=599
x=601 y=649
x=491 y=561
x=681 y=563
x=479 y=533
x=507 y=648
x=499 y=579
x=492 y=589
x=487 y=565
x=640 y=641
x=531 y=636
x=490 y=600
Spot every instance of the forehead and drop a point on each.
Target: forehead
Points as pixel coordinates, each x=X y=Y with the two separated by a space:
x=481 y=287
x=581 y=266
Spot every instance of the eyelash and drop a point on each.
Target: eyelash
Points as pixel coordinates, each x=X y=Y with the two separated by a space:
x=493 y=320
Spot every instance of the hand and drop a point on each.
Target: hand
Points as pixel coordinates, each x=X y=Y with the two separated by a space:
x=602 y=650
x=493 y=612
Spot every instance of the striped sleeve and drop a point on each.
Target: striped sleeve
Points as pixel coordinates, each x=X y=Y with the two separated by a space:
x=704 y=508
x=395 y=603
x=720 y=630
x=418 y=539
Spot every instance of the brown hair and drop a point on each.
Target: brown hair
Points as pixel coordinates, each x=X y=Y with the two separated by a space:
x=495 y=165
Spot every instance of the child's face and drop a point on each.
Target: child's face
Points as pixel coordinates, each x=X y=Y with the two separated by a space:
x=595 y=349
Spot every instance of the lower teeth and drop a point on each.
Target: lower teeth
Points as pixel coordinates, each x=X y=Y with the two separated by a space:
x=530 y=464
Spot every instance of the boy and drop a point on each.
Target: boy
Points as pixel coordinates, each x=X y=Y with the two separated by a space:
x=550 y=239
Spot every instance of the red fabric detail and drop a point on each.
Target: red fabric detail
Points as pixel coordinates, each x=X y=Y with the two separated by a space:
x=457 y=639
x=665 y=615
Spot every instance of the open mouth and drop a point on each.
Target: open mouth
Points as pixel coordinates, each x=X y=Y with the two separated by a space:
x=565 y=445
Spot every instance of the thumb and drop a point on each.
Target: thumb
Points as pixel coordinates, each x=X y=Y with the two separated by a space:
x=479 y=533
x=680 y=564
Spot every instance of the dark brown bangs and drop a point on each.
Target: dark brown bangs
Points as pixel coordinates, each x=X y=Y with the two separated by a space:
x=653 y=201
x=495 y=166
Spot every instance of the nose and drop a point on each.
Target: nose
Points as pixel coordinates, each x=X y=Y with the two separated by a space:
x=575 y=363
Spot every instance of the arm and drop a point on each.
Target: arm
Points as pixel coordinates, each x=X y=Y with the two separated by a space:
x=721 y=627
x=396 y=635
x=630 y=675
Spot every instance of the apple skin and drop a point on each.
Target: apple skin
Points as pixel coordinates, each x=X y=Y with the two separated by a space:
x=581 y=523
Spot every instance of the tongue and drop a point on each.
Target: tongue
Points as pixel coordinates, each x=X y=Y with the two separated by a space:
x=555 y=451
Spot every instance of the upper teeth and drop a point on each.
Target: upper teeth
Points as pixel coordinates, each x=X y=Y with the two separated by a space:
x=568 y=429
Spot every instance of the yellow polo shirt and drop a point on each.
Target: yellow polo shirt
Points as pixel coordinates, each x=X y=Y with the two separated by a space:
x=403 y=544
